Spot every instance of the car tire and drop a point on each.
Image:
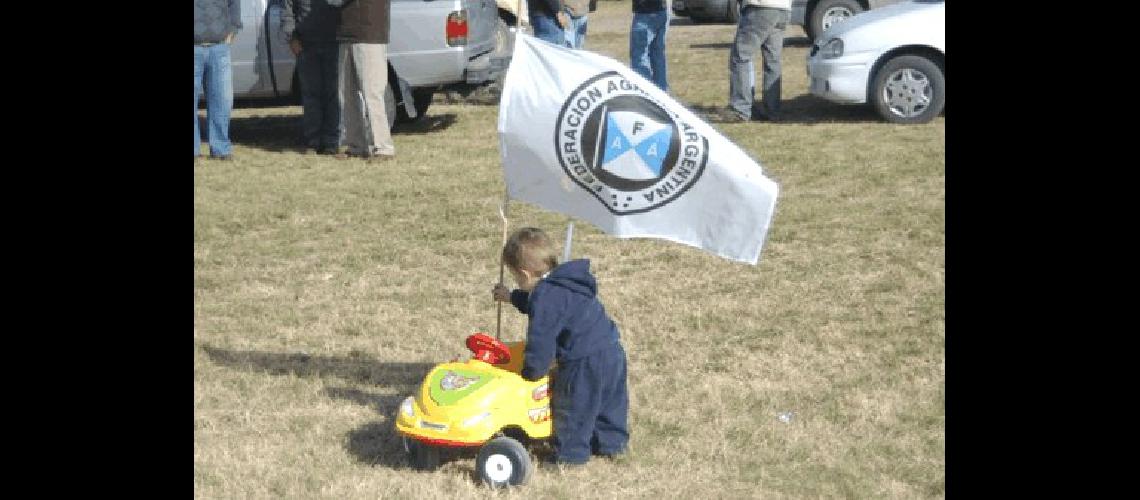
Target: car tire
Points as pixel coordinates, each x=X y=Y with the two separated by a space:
x=909 y=89
x=828 y=12
x=390 y=105
x=422 y=101
x=421 y=456
x=733 y=11
x=502 y=462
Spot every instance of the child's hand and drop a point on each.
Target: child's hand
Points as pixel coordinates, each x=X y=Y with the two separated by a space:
x=501 y=293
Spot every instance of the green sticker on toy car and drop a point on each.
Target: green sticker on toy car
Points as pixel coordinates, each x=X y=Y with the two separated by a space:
x=449 y=386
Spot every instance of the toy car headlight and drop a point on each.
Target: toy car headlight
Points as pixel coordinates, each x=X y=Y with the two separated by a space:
x=476 y=419
x=540 y=392
x=408 y=407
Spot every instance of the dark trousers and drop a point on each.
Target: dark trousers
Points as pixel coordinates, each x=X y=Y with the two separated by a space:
x=591 y=405
x=317 y=69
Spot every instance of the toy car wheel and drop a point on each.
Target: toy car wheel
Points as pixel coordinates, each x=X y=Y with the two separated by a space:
x=502 y=462
x=422 y=456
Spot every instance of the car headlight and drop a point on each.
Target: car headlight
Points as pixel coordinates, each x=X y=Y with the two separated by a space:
x=832 y=49
x=476 y=419
x=408 y=407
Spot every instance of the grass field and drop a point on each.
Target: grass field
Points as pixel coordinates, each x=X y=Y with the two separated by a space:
x=325 y=289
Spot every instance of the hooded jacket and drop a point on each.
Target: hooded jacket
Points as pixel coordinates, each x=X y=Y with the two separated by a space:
x=567 y=322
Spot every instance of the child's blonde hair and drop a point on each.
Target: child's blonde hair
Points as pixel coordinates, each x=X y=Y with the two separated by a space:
x=531 y=249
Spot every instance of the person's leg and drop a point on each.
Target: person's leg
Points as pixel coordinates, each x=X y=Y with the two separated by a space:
x=574 y=402
x=611 y=430
x=353 y=107
x=576 y=33
x=372 y=59
x=199 y=67
x=773 y=35
x=219 y=99
x=331 y=128
x=741 y=77
x=547 y=28
x=309 y=73
x=571 y=33
x=659 y=25
x=639 y=37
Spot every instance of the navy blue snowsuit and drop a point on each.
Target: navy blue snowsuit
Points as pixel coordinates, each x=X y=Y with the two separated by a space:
x=589 y=399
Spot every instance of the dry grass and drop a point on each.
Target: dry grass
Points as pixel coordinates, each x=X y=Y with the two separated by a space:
x=324 y=290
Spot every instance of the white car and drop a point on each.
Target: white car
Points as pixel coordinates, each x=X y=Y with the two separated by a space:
x=893 y=57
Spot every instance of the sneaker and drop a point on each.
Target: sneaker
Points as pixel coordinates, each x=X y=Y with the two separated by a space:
x=553 y=465
x=619 y=457
x=222 y=157
x=727 y=115
x=327 y=151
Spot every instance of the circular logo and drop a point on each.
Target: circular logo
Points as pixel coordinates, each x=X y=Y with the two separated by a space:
x=625 y=148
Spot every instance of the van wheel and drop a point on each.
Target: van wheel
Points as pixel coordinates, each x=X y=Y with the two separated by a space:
x=503 y=462
x=733 y=14
x=422 y=100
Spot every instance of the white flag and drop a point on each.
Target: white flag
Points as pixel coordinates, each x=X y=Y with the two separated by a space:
x=584 y=135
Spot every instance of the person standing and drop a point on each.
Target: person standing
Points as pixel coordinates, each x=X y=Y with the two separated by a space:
x=215 y=24
x=647 y=41
x=762 y=25
x=310 y=26
x=363 y=75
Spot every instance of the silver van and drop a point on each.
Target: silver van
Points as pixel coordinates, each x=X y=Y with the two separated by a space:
x=433 y=44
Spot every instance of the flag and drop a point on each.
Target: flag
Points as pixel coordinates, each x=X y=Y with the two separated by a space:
x=584 y=135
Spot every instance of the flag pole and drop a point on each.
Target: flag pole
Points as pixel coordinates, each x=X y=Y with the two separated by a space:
x=569 y=240
x=502 y=215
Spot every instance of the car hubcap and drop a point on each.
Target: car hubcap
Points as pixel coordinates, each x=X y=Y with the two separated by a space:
x=499 y=468
x=907 y=92
x=835 y=15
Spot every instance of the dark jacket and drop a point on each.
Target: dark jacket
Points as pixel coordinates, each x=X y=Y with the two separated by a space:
x=216 y=19
x=648 y=6
x=312 y=21
x=363 y=21
x=567 y=321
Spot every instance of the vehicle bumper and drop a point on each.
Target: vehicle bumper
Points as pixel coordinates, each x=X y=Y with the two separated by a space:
x=842 y=80
x=443 y=429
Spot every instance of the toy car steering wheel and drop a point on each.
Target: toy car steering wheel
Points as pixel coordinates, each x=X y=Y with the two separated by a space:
x=489 y=349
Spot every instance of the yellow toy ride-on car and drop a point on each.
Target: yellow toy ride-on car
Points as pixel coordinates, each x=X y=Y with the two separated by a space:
x=482 y=402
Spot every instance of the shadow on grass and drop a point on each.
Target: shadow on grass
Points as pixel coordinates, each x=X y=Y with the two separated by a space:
x=282 y=133
x=792 y=41
x=804 y=110
x=375 y=443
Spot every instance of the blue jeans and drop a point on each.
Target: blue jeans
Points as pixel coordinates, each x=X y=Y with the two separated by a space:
x=212 y=69
x=763 y=28
x=647 y=46
x=576 y=33
x=547 y=28
x=317 y=70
